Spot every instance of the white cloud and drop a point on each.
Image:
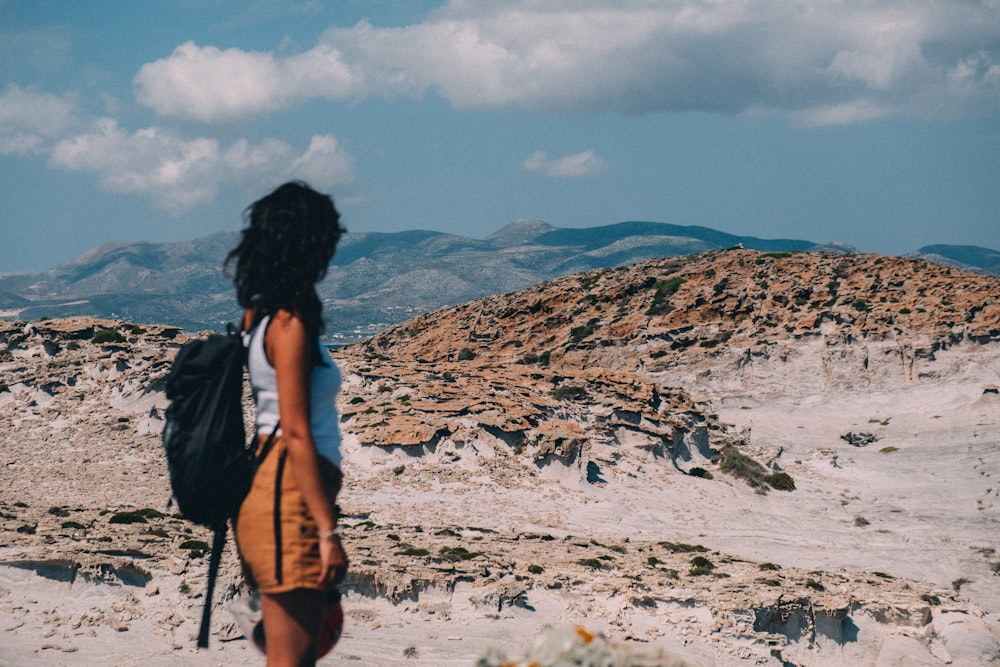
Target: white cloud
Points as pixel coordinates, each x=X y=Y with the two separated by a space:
x=570 y=166
x=211 y=85
x=179 y=174
x=208 y=84
x=636 y=56
x=29 y=120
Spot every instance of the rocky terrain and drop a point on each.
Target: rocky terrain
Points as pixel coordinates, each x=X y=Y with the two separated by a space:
x=750 y=457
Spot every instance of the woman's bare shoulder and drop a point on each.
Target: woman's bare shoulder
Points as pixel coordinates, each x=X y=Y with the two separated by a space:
x=287 y=326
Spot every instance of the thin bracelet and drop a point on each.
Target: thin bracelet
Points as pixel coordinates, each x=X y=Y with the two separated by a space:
x=327 y=534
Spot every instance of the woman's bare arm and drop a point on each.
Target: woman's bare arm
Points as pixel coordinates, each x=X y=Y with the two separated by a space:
x=290 y=350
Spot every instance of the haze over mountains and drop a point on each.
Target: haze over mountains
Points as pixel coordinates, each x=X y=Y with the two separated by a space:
x=378 y=279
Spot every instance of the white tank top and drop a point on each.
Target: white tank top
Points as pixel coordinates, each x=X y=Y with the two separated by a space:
x=324 y=385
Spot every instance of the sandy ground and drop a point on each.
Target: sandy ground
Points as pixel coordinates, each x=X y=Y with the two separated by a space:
x=915 y=511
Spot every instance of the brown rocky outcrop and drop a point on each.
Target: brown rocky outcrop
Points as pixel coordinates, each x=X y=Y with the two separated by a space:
x=724 y=320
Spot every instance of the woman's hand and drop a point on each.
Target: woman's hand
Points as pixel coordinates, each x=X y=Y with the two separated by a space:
x=333 y=561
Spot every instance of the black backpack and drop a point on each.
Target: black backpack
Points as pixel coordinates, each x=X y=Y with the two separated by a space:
x=211 y=466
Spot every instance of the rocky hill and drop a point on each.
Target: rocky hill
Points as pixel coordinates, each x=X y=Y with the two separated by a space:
x=679 y=454
x=714 y=321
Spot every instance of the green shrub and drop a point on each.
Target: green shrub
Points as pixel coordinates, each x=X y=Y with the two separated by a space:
x=577 y=334
x=413 y=551
x=736 y=462
x=781 y=481
x=106 y=336
x=195 y=548
x=127 y=517
x=679 y=547
x=664 y=289
x=536 y=569
x=569 y=393
x=455 y=554
x=700 y=566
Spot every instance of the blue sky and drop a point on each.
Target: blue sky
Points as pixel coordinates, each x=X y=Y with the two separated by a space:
x=875 y=123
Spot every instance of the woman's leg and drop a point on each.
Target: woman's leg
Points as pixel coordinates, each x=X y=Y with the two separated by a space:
x=292 y=623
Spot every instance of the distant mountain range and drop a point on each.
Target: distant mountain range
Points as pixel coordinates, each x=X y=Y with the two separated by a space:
x=378 y=279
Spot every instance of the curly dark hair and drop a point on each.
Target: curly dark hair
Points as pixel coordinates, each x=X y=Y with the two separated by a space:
x=285 y=249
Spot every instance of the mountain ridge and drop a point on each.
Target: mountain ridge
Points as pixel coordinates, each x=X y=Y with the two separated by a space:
x=377 y=278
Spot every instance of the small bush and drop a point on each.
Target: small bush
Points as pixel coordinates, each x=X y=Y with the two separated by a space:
x=536 y=569
x=106 y=336
x=769 y=567
x=195 y=548
x=665 y=288
x=781 y=481
x=701 y=566
x=678 y=547
x=456 y=554
x=569 y=393
x=127 y=517
x=72 y=525
x=738 y=463
x=815 y=585
x=414 y=551
x=592 y=563
x=577 y=334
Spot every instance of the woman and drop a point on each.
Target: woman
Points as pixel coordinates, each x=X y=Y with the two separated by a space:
x=286 y=530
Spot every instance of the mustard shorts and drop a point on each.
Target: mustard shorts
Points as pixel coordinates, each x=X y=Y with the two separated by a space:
x=279 y=549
